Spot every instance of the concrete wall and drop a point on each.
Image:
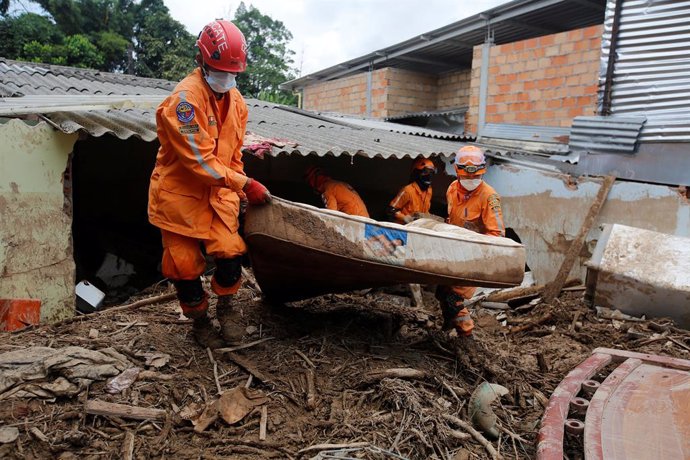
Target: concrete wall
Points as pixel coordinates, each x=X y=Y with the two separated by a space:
x=35 y=231
x=544 y=81
x=546 y=210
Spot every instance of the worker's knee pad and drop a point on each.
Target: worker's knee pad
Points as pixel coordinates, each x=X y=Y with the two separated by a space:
x=189 y=292
x=228 y=271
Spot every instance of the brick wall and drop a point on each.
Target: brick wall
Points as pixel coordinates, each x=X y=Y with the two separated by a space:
x=543 y=81
x=409 y=92
x=394 y=92
x=345 y=95
x=454 y=90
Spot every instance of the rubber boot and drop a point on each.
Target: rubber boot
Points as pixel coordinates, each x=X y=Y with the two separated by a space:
x=229 y=317
x=205 y=334
x=202 y=328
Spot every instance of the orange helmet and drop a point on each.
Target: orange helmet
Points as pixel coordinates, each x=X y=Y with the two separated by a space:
x=312 y=175
x=423 y=163
x=223 y=47
x=470 y=161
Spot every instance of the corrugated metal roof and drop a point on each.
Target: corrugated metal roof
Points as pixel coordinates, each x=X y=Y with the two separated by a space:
x=430 y=113
x=652 y=64
x=323 y=137
x=370 y=123
x=606 y=134
x=450 y=48
x=312 y=134
x=26 y=78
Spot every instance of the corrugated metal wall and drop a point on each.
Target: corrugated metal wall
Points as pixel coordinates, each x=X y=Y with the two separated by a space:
x=652 y=66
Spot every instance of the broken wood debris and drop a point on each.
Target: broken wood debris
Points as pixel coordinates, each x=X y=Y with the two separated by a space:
x=554 y=288
x=97 y=407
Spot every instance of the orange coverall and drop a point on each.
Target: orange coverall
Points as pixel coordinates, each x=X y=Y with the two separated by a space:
x=198 y=175
x=340 y=196
x=411 y=199
x=479 y=211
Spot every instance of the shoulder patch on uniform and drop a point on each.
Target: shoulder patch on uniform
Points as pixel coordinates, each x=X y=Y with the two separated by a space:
x=189 y=129
x=185 y=112
x=494 y=201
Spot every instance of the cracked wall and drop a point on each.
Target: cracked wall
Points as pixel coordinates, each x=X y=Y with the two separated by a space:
x=35 y=218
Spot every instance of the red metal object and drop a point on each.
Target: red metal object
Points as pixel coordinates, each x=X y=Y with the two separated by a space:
x=641 y=409
x=19 y=313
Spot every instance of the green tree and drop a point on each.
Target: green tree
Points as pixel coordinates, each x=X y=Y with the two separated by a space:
x=75 y=51
x=269 y=60
x=163 y=47
x=15 y=32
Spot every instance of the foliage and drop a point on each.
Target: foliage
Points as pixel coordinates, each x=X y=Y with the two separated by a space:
x=140 y=37
x=113 y=35
x=269 y=59
x=75 y=51
x=15 y=32
x=163 y=47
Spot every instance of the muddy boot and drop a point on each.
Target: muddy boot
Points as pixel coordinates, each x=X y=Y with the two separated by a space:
x=205 y=334
x=456 y=315
x=229 y=317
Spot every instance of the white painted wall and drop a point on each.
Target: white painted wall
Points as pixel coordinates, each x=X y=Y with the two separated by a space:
x=35 y=221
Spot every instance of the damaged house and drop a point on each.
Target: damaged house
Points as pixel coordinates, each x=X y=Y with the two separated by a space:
x=582 y=107
x=78 y=145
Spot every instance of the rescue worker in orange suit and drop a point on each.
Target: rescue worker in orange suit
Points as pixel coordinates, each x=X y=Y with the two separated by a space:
x=335 y=194
x=415 y=197
x=472 y=204
x=198 y=182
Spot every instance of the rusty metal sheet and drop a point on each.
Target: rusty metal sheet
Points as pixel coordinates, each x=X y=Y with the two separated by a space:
x=299 y=251
x=640 y=410
x=641 y=272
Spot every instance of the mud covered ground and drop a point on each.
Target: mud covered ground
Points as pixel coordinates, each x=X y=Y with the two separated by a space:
x=341 y=343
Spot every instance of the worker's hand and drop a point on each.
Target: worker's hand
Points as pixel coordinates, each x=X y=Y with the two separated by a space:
x=256 y=192
x=408 y=218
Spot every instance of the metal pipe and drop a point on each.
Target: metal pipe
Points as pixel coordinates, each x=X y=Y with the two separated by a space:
x=610 y=65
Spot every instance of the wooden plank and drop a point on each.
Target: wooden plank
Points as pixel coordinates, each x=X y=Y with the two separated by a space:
x=554 y=288
x=96 y=407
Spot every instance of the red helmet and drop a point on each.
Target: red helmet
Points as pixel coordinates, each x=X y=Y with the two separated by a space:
x=470 y=161
x=223 y=47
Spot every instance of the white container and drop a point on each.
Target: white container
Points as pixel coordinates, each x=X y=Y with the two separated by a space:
x=90 y=294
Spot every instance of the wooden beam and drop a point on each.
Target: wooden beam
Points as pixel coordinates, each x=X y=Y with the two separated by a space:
x=554 y=288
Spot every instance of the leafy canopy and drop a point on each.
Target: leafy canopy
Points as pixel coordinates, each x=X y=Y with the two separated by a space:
x=269 y=60
x=140 y=37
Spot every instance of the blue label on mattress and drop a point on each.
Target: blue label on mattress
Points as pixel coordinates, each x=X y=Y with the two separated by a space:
x=385 y=244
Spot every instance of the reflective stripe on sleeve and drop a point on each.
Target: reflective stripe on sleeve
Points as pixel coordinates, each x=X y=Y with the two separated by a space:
x=195 y=148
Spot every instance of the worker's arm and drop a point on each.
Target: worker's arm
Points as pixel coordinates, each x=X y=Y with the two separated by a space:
x=183 y=125
x=492 y=216
x=399 y=202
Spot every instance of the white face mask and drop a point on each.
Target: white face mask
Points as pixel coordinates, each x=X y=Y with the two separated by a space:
x=220 y=82
x=470 y=184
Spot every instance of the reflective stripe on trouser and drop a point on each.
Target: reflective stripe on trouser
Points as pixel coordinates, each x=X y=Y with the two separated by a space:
x=220 y=290
x=195 y=311
x=463 y=322
x=182 y=256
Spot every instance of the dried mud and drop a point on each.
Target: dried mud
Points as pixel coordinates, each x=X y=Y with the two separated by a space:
x=340 y=340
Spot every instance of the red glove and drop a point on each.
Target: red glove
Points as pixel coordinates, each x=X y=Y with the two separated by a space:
x=256 y=192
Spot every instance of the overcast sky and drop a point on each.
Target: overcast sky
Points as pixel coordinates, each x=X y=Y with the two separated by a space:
x=327 y=32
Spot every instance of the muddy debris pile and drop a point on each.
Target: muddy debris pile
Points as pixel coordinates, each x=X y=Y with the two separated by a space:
x=360 y=375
